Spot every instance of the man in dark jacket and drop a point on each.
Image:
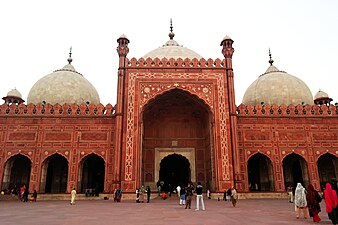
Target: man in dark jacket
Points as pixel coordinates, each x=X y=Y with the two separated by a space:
x=199 y=197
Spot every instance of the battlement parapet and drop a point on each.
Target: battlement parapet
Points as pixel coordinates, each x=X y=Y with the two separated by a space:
x=175 y=63
x=57 y=110
x=283 y=110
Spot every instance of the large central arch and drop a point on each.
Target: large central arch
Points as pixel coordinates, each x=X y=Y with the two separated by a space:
x=172 y=122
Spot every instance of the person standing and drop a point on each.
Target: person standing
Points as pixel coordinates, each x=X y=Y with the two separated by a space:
x=148 y=194
x=229 y=194
x=300 y=201
x=72 y=196
x=234 y=196
x=313 y=200
x=178 y=189
x=142 y=190
x=199 y=196
x=188 y=195
x=182 y=196
x=331 y=200
x=34 y=196
x=290 y=193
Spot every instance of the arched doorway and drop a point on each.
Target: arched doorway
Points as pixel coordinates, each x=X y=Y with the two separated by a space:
x=174 y=171
x=16 y=172
x=54 y=174
x=260 y=173
x=295 y=171
x=91 y=174
x=173 y=120
x=327 y=168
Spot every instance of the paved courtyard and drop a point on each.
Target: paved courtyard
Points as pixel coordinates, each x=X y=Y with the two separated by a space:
x=262 y=211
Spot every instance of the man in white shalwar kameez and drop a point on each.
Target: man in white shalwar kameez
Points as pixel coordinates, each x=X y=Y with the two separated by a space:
x=72 y=195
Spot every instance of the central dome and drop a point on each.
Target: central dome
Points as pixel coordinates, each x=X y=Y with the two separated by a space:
x=171 y=49
x=277 y=87
x=63 y=86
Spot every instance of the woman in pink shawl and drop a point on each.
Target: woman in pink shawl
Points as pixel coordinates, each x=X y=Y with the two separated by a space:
x=331 y=203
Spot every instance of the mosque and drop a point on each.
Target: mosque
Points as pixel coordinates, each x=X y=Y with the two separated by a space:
x=175 y=121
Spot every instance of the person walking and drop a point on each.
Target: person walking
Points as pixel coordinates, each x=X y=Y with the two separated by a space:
x=72 y=196
x=234 y=196
x=313 y=199
x=300 y=201
x=208 y=194
x=331 y=200
x=229 y=194
x=199 y=196
x=188 y=195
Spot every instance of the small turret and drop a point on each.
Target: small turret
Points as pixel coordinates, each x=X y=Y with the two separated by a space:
x=13 y=97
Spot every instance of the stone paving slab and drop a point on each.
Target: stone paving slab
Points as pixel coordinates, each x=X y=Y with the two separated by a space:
x=158 y=212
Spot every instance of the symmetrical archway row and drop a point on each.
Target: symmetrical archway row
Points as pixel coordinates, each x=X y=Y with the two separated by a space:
x=54 y=173
x=295 y=170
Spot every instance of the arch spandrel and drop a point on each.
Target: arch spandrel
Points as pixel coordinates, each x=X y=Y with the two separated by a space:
x=10 y=155
x=296 y=154
x=150 y=91
x=258 y=153
x=45 y=157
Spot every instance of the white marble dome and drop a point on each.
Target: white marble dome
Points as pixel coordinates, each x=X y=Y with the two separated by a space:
x=14 y=93
x=277 y=87
x=63 y=86
x=171 y=49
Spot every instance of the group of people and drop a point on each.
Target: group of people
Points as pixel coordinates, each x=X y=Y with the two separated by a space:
x=231 y=195
x=22 y=193
x=308 y=201
x=140 y=192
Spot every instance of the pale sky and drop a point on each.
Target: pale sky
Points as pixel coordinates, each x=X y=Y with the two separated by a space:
x=36 y=36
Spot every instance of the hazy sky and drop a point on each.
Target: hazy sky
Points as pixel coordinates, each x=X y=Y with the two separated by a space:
x=36 y=36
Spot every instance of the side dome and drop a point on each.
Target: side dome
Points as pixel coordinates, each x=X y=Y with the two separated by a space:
x=171 y=49
x=277 y=87
x=63 y=86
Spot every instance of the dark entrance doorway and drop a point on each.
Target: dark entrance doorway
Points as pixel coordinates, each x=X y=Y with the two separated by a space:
x=17 y=172
x=92 y=171
x=295 y=171
x=56 y=170
x=327 y=168
x=174 y=171
x=260 y=173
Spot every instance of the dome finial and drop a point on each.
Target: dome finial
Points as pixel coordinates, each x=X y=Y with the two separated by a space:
x=171 y=34
x=271 y=60
x=70 y=60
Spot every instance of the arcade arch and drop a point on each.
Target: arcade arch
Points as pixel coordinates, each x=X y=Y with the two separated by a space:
x=54 y=174
x=327 y=168
x=175 y=122
x=260 y=173
x=295 y=171
x=91 y=173
x=17 y=172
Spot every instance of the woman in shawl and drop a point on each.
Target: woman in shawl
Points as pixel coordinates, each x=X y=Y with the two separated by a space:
x=331 y=203
x=313 y=200
x=300 y=201
x=234 y=197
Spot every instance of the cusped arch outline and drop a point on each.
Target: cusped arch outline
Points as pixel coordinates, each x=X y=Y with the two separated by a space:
x=158 y=94
x=325 y=153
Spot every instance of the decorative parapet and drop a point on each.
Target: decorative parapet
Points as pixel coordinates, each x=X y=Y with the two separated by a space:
x=283 y=110
x=180 y=63
x=57 y=110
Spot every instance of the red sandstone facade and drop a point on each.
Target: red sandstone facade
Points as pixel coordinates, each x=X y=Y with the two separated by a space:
x=167 y=109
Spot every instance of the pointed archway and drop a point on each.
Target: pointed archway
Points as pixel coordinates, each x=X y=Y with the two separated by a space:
x=295 y=171
x=174 y=171
x=175 y=120
x=260 y=173
x=54 y=174
x=91 y=174
x=327 y=168
x=16 y=172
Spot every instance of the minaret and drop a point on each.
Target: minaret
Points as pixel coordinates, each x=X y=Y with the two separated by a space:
x=227 y=52
x=122 y=51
